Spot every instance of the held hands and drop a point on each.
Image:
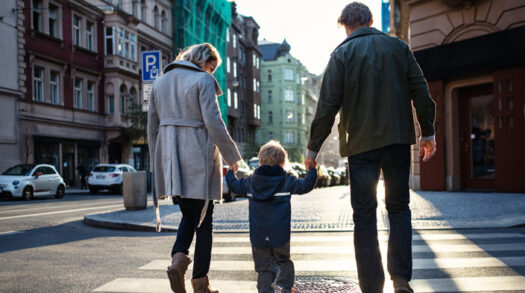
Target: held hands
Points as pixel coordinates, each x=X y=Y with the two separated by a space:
x=234 y=167
x=310 y=163
x=427 y=148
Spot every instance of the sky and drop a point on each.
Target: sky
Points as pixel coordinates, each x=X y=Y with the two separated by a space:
x=309 y=26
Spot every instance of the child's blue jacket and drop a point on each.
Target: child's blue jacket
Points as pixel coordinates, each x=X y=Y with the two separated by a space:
x=269 y=190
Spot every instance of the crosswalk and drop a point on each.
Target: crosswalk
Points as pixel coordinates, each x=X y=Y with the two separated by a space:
x=444 y=261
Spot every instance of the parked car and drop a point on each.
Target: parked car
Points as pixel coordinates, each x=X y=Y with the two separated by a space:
x=343 y=172
x=27 y=181
x=242 y=172
x=107 y=176
x=253 y=163
x=336 y=178
x=323 y=178
x=299 y=169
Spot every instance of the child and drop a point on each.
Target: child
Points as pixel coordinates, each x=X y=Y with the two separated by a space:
x=269 y=189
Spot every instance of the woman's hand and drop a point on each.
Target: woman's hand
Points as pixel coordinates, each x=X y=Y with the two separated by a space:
x=234 y=167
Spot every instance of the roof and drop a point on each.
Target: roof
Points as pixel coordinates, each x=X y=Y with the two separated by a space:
x=272 y=50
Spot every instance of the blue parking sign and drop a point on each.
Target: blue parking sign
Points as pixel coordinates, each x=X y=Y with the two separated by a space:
x=150 y=65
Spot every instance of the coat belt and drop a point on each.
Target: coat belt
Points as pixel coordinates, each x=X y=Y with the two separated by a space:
x=181 y=122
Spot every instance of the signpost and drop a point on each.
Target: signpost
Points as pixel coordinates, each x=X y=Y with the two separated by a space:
x=151 y=70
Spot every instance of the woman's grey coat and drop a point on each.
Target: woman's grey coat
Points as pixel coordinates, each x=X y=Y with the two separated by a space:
x=186 y=133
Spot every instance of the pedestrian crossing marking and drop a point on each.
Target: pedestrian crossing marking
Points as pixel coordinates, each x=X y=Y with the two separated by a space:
x=425 y=237
x=485 y=284
x=349 y=265
x=150 y=285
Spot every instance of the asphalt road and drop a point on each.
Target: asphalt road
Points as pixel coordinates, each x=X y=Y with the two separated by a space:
x=45 y=247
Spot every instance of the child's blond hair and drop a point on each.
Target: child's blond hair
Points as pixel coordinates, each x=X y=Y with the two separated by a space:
x=272 y=153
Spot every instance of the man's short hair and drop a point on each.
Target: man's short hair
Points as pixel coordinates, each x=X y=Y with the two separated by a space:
x=355 y=15
x=272 y=153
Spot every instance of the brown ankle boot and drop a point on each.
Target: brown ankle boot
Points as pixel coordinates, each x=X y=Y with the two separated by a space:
x=202 y=285
x=177 y=272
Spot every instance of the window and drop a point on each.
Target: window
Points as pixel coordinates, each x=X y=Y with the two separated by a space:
x=289 y=116
x=76 y=30
x=228 y=64
x=77 y=93
x=234 y=68
x=134 y=8
x=302 y=99
x=142 y=10
x=258 y=112
x=156 y=17
x=269 y=97
x=298 y=78
x=126 y=44
x=303 y=118
x=258 y=86
x=132 y=45
x=122 y=105
x=235 y=40
x=89 y=36
x=109 y=41
x=235 y=100
x=117 y=3
x=270 y=135
x=289 y=95
x=111 y=104
x=54 y=87
x=228 y=35
x=269 y=75
x=254 y=110
x=163 y=22
x=288 y=74
x=91 y=95
x=254 y=85
x=288 y=137
x=37 y=15
x=53 y=20
x=229 y=97
x=38 y=85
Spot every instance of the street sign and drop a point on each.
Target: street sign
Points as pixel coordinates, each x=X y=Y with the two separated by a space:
x=150 y=65
x=146 y=92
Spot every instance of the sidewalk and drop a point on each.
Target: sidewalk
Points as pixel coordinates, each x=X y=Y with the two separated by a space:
x=328 y=209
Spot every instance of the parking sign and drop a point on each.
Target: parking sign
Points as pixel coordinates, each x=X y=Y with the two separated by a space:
x=150 y=65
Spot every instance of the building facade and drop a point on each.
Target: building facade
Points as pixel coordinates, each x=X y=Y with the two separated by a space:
x=11 y=28
x=204 y=21
x=283 y=99
x=243 y=94
x=471 y=53
x=83 y=77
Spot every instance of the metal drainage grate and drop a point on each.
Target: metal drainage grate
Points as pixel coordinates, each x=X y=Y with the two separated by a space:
x=324 y=285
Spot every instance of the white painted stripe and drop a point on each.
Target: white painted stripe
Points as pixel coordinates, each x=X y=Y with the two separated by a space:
x=349 y=249
x=40 y=208
x=10 y=233
x=485 y=284
x=350 y=266
x=61 y=212
x=345 y=239
x=140 y=285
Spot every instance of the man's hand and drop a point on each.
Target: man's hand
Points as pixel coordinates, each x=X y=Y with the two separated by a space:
x=234 y=167
x=427 y=148
x=309 y=163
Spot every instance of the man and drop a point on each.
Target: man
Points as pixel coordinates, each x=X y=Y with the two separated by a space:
x=373 y=80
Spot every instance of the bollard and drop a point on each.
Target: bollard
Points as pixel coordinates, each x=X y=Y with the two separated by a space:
x=134 y=190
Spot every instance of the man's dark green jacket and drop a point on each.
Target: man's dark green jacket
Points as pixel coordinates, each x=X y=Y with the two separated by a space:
x=372 y=80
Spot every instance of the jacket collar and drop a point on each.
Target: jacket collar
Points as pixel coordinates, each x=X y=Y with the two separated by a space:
x=359 y=33
x=189 y=65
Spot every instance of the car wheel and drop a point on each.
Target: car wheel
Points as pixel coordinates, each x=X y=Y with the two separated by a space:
x=60 y=191
x=92 y=190
x=118 y=189
x=27 y=194
x=229 y=197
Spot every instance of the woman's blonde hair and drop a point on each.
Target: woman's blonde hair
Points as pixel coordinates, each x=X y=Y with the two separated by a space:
x=200 y=54
x=272 y=153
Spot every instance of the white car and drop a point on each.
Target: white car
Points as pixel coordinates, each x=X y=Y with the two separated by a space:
x=107 y=176
x=32 y=180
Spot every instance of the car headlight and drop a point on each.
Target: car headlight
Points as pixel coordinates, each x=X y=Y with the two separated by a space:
x=16 y=182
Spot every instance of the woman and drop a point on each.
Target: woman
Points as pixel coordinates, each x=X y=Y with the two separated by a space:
x=185 y=135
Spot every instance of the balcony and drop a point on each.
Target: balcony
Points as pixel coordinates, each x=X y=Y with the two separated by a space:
x=116 y=62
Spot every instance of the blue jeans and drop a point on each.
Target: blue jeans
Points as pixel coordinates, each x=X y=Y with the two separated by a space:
x=191 y=213
x=364 y=169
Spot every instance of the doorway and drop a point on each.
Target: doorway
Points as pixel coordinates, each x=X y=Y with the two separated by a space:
x=477 y=137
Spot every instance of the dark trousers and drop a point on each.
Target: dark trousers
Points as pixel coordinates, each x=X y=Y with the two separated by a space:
x=266 y=259
x=191 y=212
x=364 y=169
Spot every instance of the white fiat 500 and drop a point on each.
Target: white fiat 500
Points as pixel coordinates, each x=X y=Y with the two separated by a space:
x=32 y=180
x=108 y=176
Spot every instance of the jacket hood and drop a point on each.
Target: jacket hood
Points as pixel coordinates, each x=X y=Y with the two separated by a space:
x=189 y=65
x=358 y=33
x=267 y=181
